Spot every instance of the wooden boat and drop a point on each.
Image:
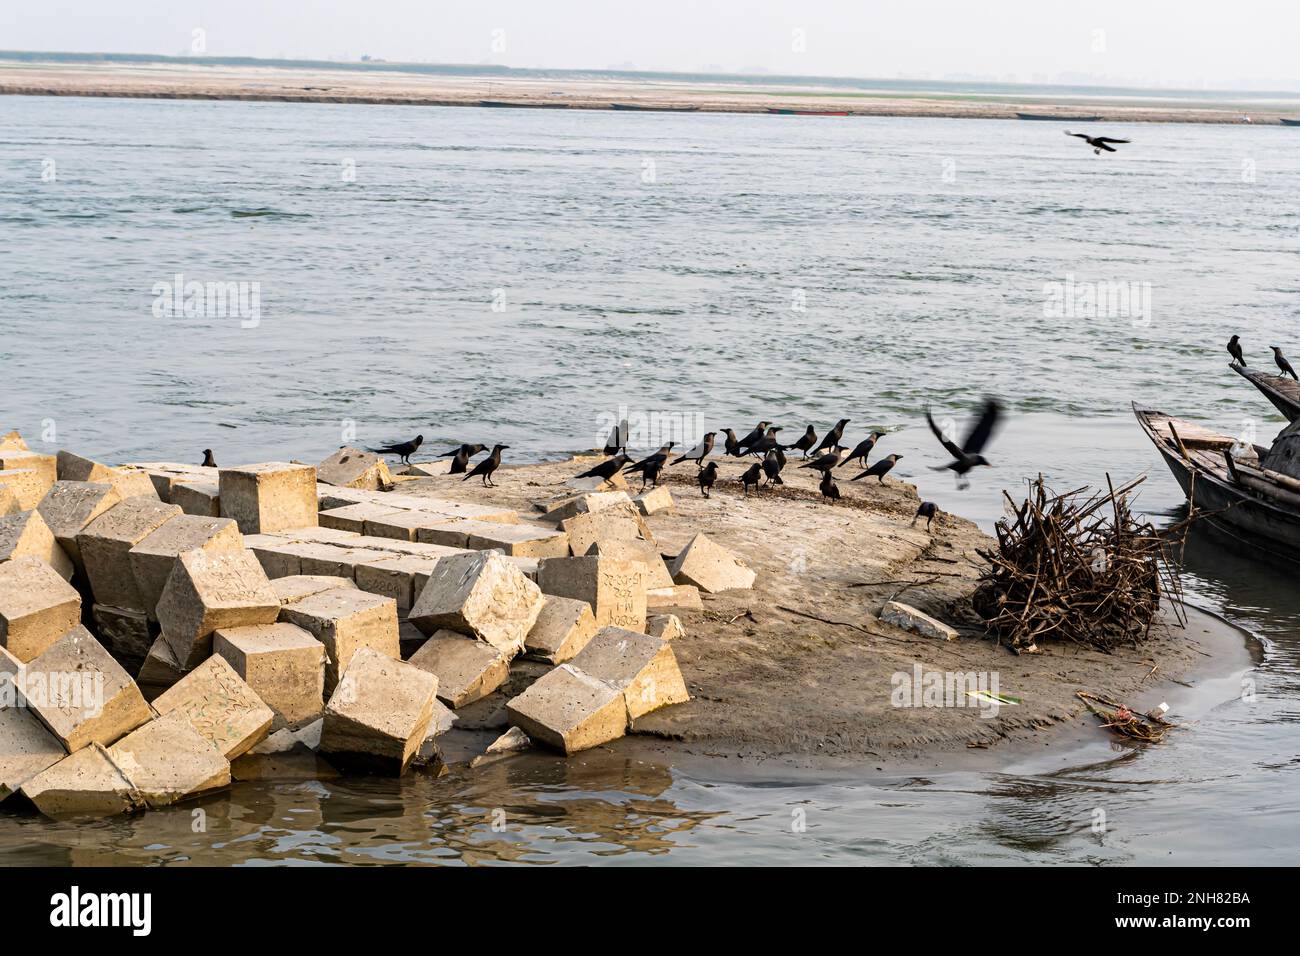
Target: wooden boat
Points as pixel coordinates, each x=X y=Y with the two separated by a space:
x=653 y=109
x=1058 y=119
x=793 y=112
x=1289 y=122
x=1224 y=482
x=1283 y=392
x=501 y=104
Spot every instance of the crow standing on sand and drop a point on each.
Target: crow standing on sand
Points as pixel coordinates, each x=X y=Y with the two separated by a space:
x=699 y=452
x=751 y=477
x=927 y=511
x=650 y=466
x=824 y=463
x=730 y=444
x=753 y=436
x=1234 y=349
x=808 y=439
x=405 y=449
x=1098 y=143
x=832 y=437
x=606 y=469
x=830 y=490
x=488 y=465
x=707 y=476
x=208 y=460
x=766 y=443
x=879 y=469
x=863 y=448
x=968 y=456
x=1281 y=361
x=772 y=466
x=468 y=451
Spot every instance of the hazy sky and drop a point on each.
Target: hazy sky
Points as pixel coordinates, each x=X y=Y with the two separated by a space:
x=1179 y=42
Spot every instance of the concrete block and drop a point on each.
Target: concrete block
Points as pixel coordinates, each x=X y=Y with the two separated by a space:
x=166 y=475
x=667 y=627
x=482 y=595
x=37 y=607
x=168 y=760
x=44 y=465
x=298 y=586
x=616 y=522
x=26 y=533
x=221 y=707
x=711 y=567
x=563 y=628
x=161 y=670
x=616 y=482
x=616 y=590
x=202 y=498
x=428 y=469
x=207 y=590
x=400 y=577
x=517 y=540
x=282 y=663
x=81 y=694
x=26 y=747
x=127 y=482
x=681 y=596
x=346 y=620
x=13 y=441
x=154 y=557
x=8 y=503
x=86 y=784
x=570 y=711
x=566 y=508
x=641 y=666
x=69 y=506
x=918 y=622
x=354 y=517
x=270 y=496
x=27 y=485
x=379 y=714
x=127 y=634
x=467 y=670
x=354 y=468
x=132 y=483
x=105 y=545
x=655 y=501
x=642 y=552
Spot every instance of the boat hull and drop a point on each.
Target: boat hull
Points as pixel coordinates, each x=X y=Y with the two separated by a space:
x=1264 y=527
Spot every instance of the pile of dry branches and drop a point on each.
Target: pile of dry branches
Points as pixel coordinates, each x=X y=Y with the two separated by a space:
x=1076 y=566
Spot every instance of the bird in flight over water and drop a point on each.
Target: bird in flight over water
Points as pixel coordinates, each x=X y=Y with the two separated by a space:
x=1098 y=143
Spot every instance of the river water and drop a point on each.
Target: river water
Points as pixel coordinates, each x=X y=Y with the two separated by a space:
x=527 y=276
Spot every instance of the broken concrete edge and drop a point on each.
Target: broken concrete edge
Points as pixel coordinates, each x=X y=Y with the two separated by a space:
x=915 y=621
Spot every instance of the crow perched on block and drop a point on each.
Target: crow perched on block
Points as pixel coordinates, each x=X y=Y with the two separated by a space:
x=208 y=460
x=405 y=449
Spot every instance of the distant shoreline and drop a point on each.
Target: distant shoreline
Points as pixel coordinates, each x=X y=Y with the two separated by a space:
x=166 y=79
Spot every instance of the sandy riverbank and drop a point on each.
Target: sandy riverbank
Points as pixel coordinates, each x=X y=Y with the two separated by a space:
x=393 y=87
x=799 y=668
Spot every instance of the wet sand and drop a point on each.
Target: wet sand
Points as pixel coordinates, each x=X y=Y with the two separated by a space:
x=800 y=668
x=393 y=87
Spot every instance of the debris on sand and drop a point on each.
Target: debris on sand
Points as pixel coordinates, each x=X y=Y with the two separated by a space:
x=1118 y=719
x=1078 y=567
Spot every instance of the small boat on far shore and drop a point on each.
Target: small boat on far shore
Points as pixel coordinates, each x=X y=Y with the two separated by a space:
x=647 y=108
x=785 y=111
x=1283 y=392
x=501 y=104
x=1288 y=122
x=1052 y=117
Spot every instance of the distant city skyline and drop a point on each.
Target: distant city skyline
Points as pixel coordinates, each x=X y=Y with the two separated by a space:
x=1198 y=43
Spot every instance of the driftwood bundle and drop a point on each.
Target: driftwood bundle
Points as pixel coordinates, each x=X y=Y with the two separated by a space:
x=1075 y=566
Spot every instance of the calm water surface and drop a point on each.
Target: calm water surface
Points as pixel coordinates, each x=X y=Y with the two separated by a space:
x=651 y=262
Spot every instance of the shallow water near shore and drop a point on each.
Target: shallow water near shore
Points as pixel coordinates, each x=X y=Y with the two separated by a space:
x=922 y=249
